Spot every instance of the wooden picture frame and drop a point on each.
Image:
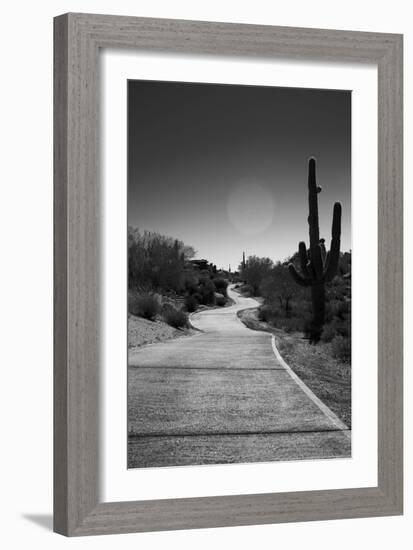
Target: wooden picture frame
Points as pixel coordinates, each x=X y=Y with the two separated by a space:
x=78 y=39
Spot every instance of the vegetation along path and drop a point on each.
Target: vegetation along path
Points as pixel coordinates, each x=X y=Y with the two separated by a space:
x=224 y=395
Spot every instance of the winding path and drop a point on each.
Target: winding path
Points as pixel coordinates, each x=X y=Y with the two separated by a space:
x=224 y=395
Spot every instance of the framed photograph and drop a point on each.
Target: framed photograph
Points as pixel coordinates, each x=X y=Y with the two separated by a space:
x=228 y=274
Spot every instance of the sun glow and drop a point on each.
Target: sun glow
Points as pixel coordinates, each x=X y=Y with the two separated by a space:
x=250 y=208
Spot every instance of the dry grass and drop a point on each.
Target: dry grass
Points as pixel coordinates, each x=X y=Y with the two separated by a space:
x=328 y=378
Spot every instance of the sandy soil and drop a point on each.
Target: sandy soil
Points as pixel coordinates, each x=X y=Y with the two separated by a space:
x=142 y=332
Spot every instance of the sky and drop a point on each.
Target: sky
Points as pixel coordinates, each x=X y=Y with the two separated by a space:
x=224 y=167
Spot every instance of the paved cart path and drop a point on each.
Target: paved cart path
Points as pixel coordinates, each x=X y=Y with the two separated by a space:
x=223 y=395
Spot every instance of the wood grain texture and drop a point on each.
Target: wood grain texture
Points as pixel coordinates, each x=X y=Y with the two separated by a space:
x=60 y=485
x=390 y=273
x=78 y=38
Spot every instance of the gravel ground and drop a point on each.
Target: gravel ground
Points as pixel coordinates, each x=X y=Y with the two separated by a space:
x=142 y=332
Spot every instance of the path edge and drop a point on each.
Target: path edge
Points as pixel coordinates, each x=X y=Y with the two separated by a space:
x=322 y=406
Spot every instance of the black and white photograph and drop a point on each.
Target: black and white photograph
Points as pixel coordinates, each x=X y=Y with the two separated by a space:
x=239 y=274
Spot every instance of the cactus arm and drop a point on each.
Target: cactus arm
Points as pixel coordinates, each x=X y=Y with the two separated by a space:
x=302 y=250
x=299 y=279
x=336 y=226
x=334 y=254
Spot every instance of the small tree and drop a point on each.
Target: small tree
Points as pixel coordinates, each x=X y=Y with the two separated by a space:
x=207 y=290
x=255 y=271
x=278 y=286
x=221 y=285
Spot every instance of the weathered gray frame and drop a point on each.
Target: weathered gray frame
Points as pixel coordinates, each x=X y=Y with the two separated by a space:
x=77 y=508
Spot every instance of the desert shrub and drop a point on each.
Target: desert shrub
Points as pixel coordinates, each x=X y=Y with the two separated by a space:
x=207 y=297
x=291 y=324
x=221 y=285
x=247 y=290
x=207 y=291
x=341 y=309
x=198 y=297
x=166 y=306
x=191 y=284
x=278 y=286
x=329 y=332
x=341 y=348
x=284 y=346
x=133 y=304
x=191 y=303
x=156 y=261
x=144 y=305
x=220 y=301
x=301 y=308
x=307 y=326
x=269 y=313
x=175 y=318
x=336 y=327
x=264 y=314
x=255 y=271
x=345 y=328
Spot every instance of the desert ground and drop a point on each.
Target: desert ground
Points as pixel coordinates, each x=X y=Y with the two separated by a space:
x=224 y=395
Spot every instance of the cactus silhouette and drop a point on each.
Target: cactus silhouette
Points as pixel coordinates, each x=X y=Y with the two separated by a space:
x=317 y=266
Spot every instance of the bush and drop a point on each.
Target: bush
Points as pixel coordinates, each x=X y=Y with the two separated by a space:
x=207 y=291
x=307 y=326
x=166 y=306
x=156 y=261
x=284 y=346
x=265 y=314
x=269 y=313
x=198 y=297
x=144 y=305
x=191 y=303
x=302 y=309
x=345 y=329
x=220 y=301
x=221 y=285
x=291 y=324
x=329 y=332
x=341 y=348
x=191 y=287
x=175 y=318
x=340 y=309
x=255 y=271
x=336 y=327
x=247 y=290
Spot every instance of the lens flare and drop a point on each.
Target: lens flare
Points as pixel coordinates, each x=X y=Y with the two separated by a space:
x=250 y=208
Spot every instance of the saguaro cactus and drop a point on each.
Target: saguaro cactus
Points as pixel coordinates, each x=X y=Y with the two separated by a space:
x=317 y=267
